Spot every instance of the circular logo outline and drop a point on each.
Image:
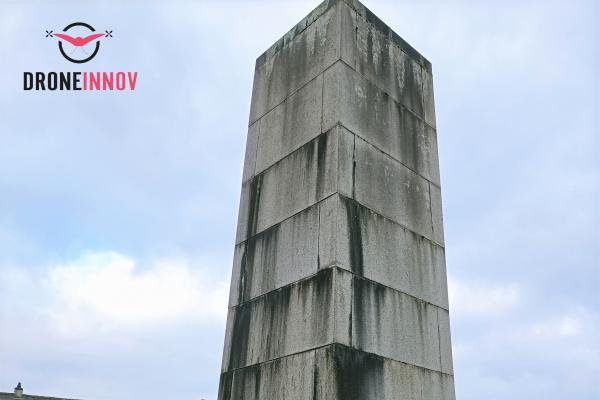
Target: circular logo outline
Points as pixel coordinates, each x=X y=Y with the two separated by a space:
x=73 y=60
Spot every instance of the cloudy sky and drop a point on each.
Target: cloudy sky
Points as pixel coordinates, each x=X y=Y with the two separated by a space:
x=118 y=210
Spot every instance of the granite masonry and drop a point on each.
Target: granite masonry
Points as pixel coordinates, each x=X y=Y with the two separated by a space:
x=339 y=288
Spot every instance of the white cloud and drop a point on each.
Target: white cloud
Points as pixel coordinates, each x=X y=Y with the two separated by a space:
x=476 y=299
x=104 y=317
x=108 y=290
x=563 y=326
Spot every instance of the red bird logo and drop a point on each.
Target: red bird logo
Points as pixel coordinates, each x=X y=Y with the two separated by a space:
x=79 y=41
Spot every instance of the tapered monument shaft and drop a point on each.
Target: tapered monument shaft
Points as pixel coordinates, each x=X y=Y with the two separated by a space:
x=339 y=280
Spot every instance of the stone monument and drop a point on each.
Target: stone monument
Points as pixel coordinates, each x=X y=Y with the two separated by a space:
x=339 y=285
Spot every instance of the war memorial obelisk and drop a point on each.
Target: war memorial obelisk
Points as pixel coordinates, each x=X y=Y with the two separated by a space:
x=339 y=285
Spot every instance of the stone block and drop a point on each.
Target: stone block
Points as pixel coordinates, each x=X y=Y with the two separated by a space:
x=369 y=245
x=296 y=59
x=436 y=214
x=385 y=64
x=399 y=258
x=392 y=190
x=428 y=99
x=432 y=159
x=394 y=325
x=445 y=341
x=354 y=375
x=376 y=24
x=333 y=242
x=251 y=149
x=285 y=253
x=359 y=105
x=418 y=147
x=290 y=125
x=296 y=182
x=289 y=320
x=335 y=372
x=288 y=378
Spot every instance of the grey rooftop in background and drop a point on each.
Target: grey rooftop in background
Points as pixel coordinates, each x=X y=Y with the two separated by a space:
x=12 y=396
x=18 y=394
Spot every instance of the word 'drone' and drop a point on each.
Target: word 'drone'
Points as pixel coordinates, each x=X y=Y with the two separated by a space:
x=102 y=81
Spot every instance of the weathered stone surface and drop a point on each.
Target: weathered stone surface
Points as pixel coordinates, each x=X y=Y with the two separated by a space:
x=346 y=30
x=394 y=325
x=335 y=372
x=432 y=159
x=311 y=173
x=445 y=345
x=289 y=320
x=398 y=258
x=333 y=242
x=418 y=149
x=276 y=257
x=428 y=99
x=361 y=107
x=389 y=188
x=339 y=287
x=390 y=68
x=375 y=24
x=318 y=310
x=251 y=149
x=303 y=54
x=288 y=378
x=362 y=376
x=290 y=125
x=436 y=214
x=362 y=241
x=366 y=110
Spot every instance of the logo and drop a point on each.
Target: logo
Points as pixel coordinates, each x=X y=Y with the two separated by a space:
x=78 y=50
x=79 y=43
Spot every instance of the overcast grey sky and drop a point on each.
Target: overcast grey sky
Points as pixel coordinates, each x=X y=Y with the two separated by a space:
x=118 y=210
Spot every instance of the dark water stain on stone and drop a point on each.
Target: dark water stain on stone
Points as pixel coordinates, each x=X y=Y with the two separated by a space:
x=379 y=292
x=421 y=310
x=322 y=288
x=315 y=395
x=408 y=144
x=253 y=281
x=254 y=205
x=412 y=91
x=239 y=384
x=225 y=386
x=355 y=236
x=239 y=338
x=307 y=152
x=246 y=271
x=358 y=376
x=358 y=311
x=257 y=381
x=396 y=39
x=321 y=164
x=368 y=301
x=274 y=330
x=245 y=383
x=370 y=48
x=350 y=316
x=247 y=263
x=268 y=242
